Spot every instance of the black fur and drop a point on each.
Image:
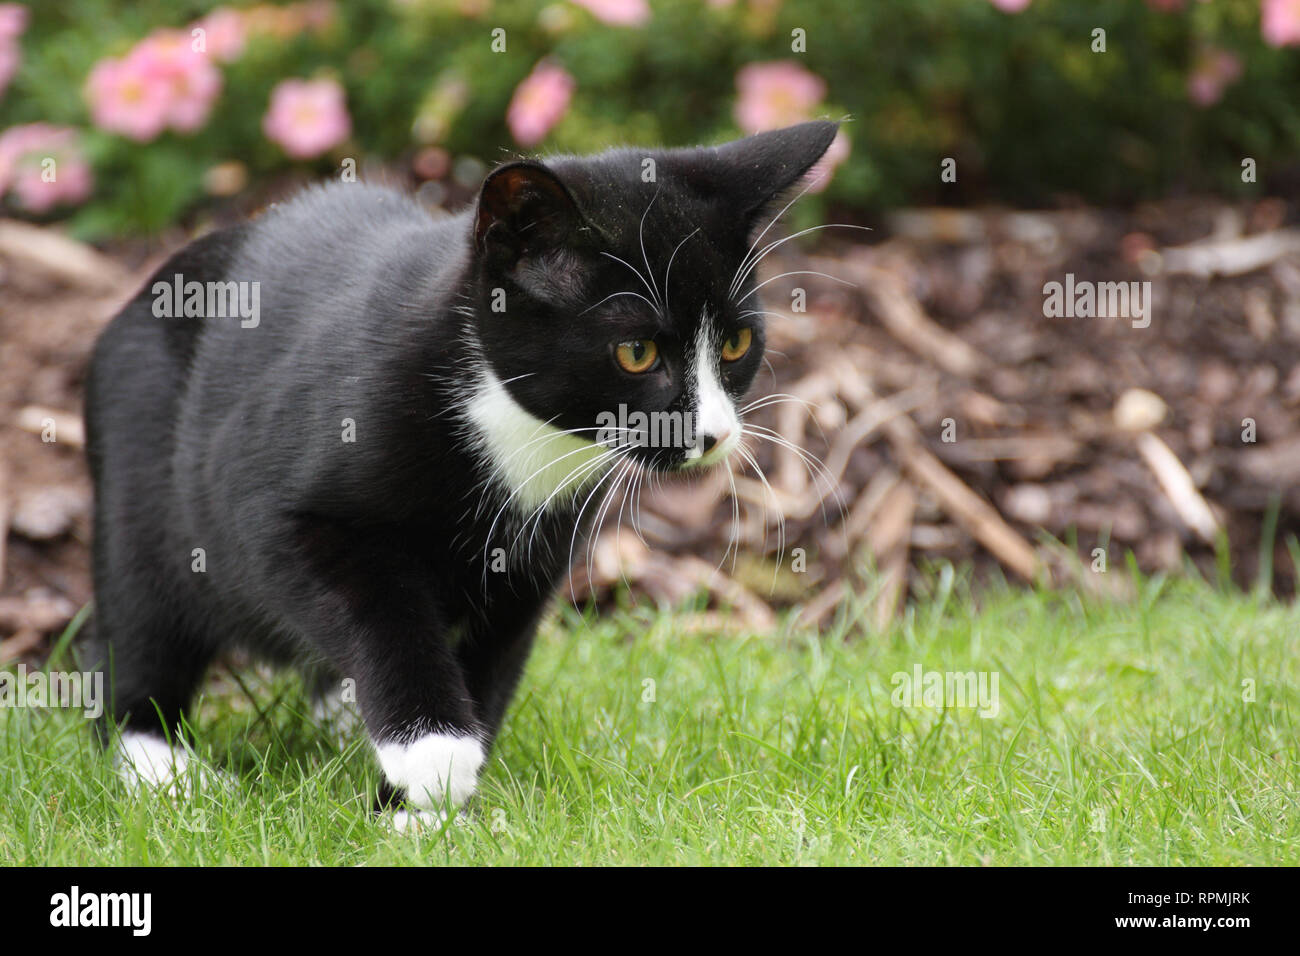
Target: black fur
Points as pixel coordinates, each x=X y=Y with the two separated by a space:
x=366 y=559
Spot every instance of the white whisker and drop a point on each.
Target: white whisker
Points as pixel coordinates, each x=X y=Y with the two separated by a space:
x=577 y=525
x=780 y=512
x=669 y=270
x=776 y=398
x=637 y=272
x=796 y=272
x=613 y=295
x=515 y=493
x=640 y=232
x=583 y=470
x=743 y=262
x=771 y=246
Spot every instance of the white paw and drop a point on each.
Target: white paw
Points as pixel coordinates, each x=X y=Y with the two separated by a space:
x=145 y=761
x=434 y=768
x=404 y=821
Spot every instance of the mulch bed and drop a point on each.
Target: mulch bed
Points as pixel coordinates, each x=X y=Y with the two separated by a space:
x=941 y=414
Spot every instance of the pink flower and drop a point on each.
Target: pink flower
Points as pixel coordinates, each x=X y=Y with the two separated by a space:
x=782 y=93
x=193 y=82
x=125 y=100
x=1213 y=72
x=13 y=20
x=17 y=141
x=1010 y=6
x=619 y=13
x=162 y=82
x=1165 y=6
x=776 y=94
x=224 y=34
x=1280 y=22
x=307 y=117
x=539 y=102
x=43 y=166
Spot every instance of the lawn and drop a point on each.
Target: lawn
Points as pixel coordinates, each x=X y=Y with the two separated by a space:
x=1159 y=731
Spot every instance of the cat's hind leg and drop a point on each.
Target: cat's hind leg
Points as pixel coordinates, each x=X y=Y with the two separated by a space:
x=151 y=672
x=143 y=637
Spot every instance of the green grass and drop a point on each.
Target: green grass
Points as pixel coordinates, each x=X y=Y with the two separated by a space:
x=1123 y=738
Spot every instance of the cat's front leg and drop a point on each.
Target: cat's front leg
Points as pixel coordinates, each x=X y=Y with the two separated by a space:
x=421 y=719
x=369 y=607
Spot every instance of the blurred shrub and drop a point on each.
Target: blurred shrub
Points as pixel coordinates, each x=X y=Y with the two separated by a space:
x=1183 y=92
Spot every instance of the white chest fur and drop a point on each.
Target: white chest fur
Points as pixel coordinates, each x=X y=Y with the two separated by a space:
x=535 y=461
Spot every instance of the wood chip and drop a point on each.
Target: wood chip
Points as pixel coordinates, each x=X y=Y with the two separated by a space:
x=1276 y=464
x=1139 y=410
x=975 y=514
x=904 y=319
x=1046 y=447
x=38 y=610
x=823 y=605
x=889 y=539
x=51 y=252
x=69 y=429
x=1178 y=487
x=41 y=514
x=24 y=642
x=1259 y=315
x=1230 y=257
x=861 y=513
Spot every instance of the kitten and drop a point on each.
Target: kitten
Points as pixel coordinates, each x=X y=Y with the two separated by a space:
x=357 y=438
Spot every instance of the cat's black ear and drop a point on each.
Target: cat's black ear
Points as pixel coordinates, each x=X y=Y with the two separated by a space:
x=524 y=210
x=759 y=169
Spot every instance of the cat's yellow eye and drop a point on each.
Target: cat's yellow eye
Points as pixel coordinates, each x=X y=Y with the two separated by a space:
x=736 y=346
x=638 y=356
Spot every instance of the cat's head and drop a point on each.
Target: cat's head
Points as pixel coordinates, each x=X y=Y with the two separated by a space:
x=619 y=284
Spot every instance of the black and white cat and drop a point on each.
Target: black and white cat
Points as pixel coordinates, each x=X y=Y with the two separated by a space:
x=382 y=474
